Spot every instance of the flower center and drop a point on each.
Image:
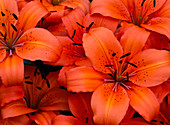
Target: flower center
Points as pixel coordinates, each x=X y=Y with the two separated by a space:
x=9 y=34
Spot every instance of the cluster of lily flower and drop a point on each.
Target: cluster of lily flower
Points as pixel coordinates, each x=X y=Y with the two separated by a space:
x=65 y=62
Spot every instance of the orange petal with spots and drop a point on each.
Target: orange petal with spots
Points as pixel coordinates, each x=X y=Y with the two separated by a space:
x=99 y=45
x=71 y=53
x=83 y=79
x=83 y=4
x=15 y=108
x=143 y=8
x=70 y=21
x=43 y=118
x=54 y=99
x=109 y=106
x=144 y=102
x=8 y=94
x=2 y=54
x=8 y=7
x=12 y=70
x=111 y=8
x=162 y=90
x=30 y=15
x=66 y=120
x=153 y=67
x=159 y=24
x=80 y=106
x=134 y=43
x=39 y=44
x=100 y=21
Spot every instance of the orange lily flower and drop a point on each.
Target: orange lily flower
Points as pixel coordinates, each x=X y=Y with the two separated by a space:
x=152 y=15
x=20 y=40
x=120 y=76
x=41 y=95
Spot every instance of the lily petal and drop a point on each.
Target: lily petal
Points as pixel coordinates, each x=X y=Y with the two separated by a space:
x=2 y=54
x=112 y=8
x=12 y=70
x=30 y=15
x=153 y=67
x=39 y=44
x=43 y=118
x=83 y=79
x=144 y=102
x=134 y=43
x=8 y=94
x=15 y=108
x=99 y=45
x=80 y=106
x=66 y=120
x=109 y=107
x=159 y=24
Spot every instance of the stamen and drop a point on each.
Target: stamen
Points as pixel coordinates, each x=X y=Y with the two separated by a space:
x=114 y=54
x=5 y=37
x=91 y=24
x=10 y=52
x=108 y=65
x=126 y=86
x=127 y=54
x=38 y=88
x=27 y=77
x=127 y=76
x=80 y=25
x=15 y=16
x=143 y=2
x=154 y=3
x=165 y=49
x=78 y=44
x=2 y=13
x=109 y=80
x=115 y=73
x=14 y=27
x=132 y=64
x=115 y=86
x=48 y=84
x=35 y=72
x=28 y=82
x=53 y=11
x=73 y=34
x=110 y=74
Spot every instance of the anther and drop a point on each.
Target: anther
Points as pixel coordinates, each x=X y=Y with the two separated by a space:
x=3 y=24
x=5 y=36
x=78 y=44
x=48 y=84
x=28 y=82
x=14 y=27
x=108 y=65
x=154 y=3
x=165 y=49
x=15 y=16
x=127 y=54
x=120 y=61
x=27 y=77
x=114 y=54
x=87 y=119
x=1 y=34
x=2 y=13
x=73 y=34
x=35 y=72
x=115 y=73
x=132 y=64
x=143 y=2
x=80 y=25
x=38 y=88
x=168 y=41
x=127 y=76
x=110 y=74
x=91 y=24
x=53 y=11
